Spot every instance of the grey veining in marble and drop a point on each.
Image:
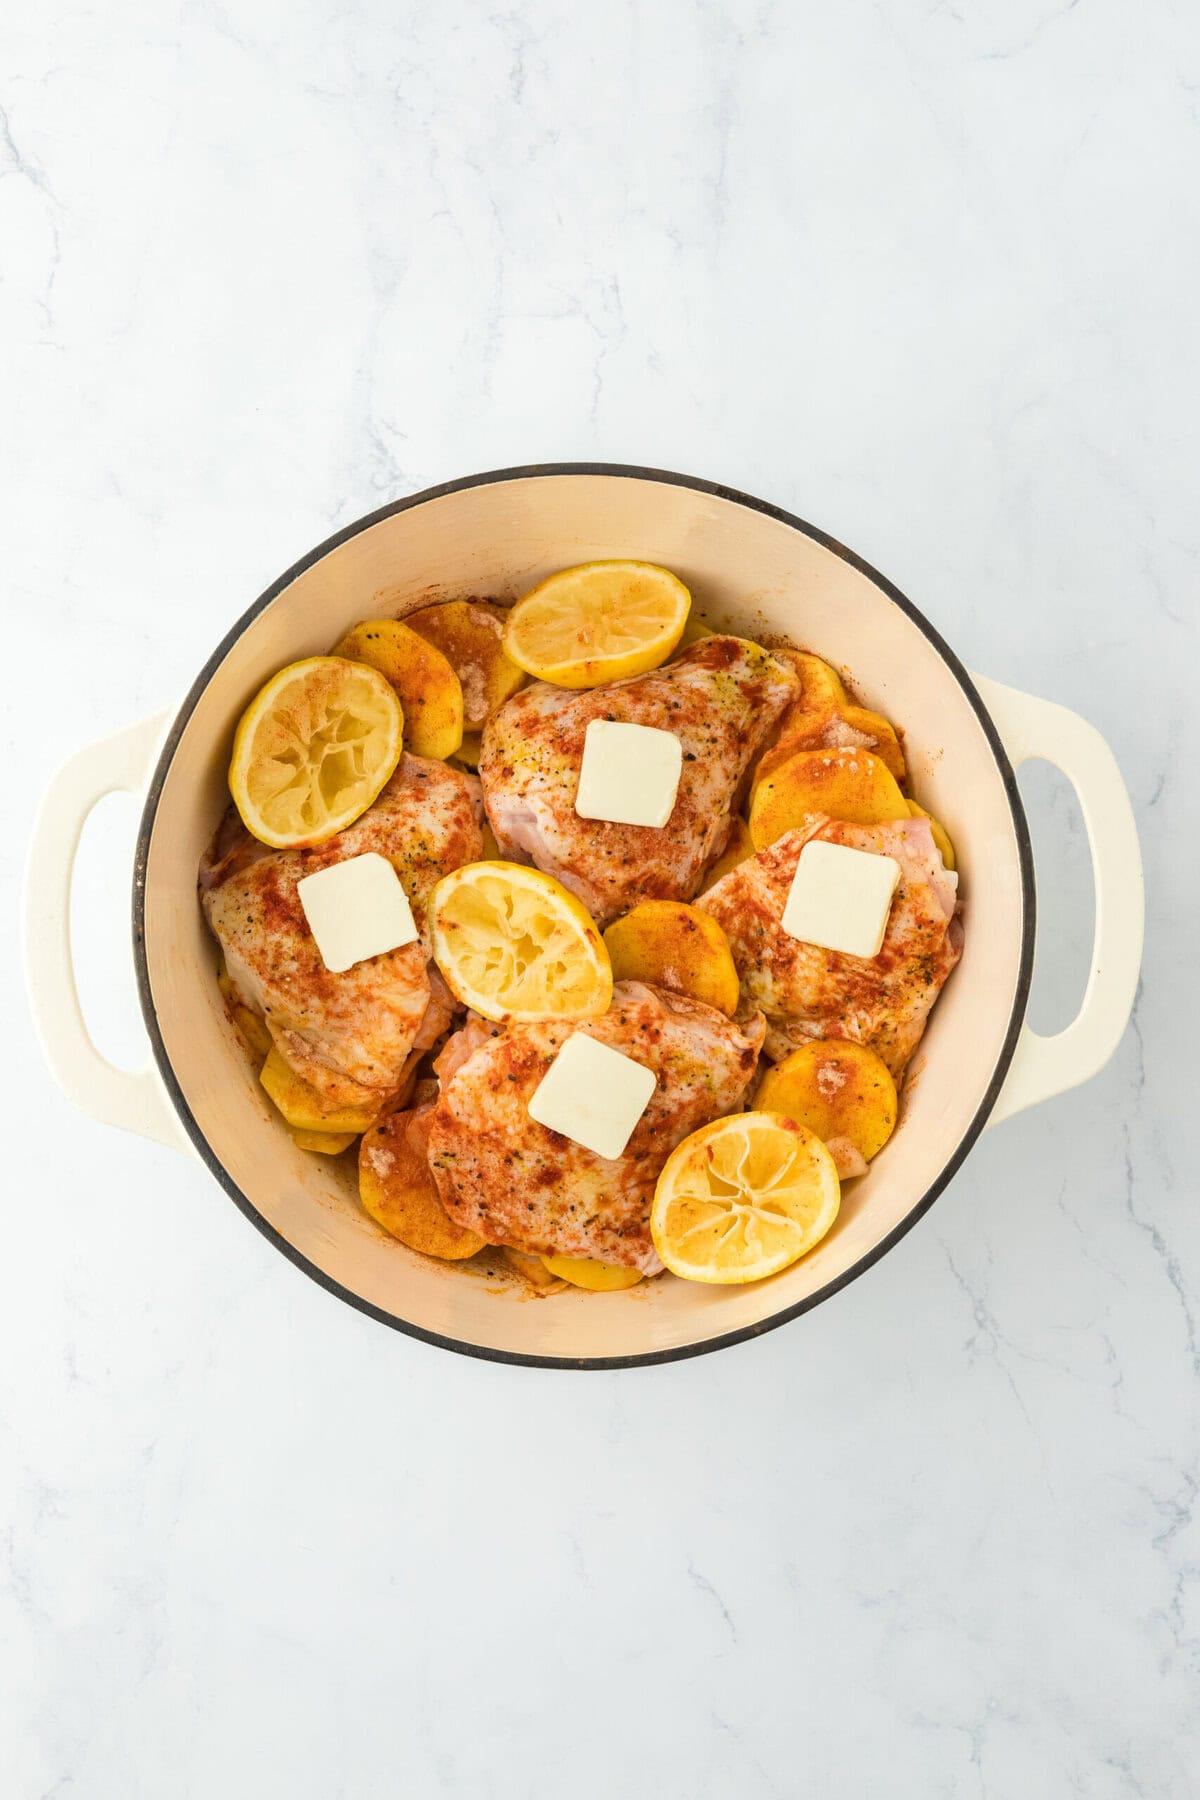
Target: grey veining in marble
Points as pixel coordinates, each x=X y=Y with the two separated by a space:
x=926 y=274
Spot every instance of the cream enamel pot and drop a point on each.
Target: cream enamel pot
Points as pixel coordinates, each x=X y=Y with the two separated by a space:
x=752 y=569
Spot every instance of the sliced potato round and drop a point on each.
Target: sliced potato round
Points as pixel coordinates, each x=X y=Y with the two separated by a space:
x=848 y=727
x=258 y=1038
x=844 y=784
x=586 y=1272
x=672 y=945
x=534 y=1270
x=838 y=1089
x=738 y=849
x=430 y=692
x=827 y=717
x=886 y=745
x=941 y=836
x=397 y=1189
x=323 y=1143
x=822 y=688
x=470 y=635
x=253 y=1031
x=694 y=632
x=302 y=1106
x=468 y=751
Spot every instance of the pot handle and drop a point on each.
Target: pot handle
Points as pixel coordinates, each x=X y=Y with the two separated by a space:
x=1045 y=1066
x=130 y=1098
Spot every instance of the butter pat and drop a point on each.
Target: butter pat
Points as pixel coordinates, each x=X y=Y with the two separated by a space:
x=356 y=909
x=593 y=1095
x=630 y=773
x=840 y=899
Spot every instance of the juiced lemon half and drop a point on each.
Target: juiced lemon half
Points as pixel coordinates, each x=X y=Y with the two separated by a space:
x=313 y=749
x=742 y=1198
x=598 y=622
x=512 y=943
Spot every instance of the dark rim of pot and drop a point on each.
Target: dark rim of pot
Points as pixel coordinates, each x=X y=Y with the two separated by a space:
x=620 y=471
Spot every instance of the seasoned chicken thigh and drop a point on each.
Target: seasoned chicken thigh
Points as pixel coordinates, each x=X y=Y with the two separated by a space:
x=516 y=1182
x=722 y=699
x=807 y=992
x=348 y=1035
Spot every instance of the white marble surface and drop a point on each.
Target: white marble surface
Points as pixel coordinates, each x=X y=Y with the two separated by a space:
x=927 y=274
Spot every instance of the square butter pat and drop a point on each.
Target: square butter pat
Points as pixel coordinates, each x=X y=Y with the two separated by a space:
x=593 y=1095
x=841 y=898
x=630 y=773
x=356 y=909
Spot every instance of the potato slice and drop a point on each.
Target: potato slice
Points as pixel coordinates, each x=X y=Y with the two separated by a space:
x=864 y=722
x=470 y=634
x=846 y=727
x=941 y=836
x=586 y=1272
x=302 y=1106
x=848 y=1159
x=253 y=1030
x=738 y=849
x=838 y=1089
x=397 y=1189
x=675 y=946
x=468 y=751
x=324 y=1143
x=533 y=1269
x=822 y=689
x=826 y=717
x=430 y=692
x=845 y=784
x=693 y=633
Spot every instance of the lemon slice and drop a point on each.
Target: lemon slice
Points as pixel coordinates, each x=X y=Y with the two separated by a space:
x=513 y=944
x=742 y=1198
x=313 y=749
x=598 y=622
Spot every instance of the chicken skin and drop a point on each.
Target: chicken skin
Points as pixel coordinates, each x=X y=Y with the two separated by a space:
x=349 y=1035
x=807 y=992
x=516 y=1182
x=722 y=698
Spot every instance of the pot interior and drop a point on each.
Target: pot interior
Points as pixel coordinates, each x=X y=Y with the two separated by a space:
x=749 y=572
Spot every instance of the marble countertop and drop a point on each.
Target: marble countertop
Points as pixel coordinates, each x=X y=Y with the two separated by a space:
x=925 y=274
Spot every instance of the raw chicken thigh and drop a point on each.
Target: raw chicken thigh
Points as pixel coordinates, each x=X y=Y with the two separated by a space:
x=807 y=992
x=517 y=1182
x=722 y=699
x=349 y=1035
